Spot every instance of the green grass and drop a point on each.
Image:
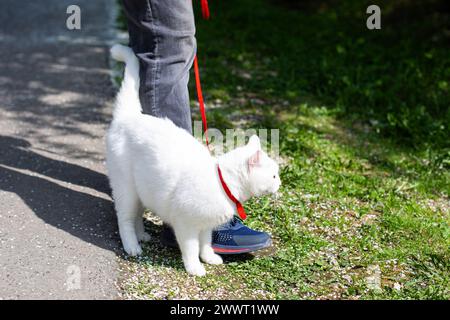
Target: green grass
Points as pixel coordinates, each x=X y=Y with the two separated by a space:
x=364 y=133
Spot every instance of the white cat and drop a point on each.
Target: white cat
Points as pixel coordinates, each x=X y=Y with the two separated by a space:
x=156 y=165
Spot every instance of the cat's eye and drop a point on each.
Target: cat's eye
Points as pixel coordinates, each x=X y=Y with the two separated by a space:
x=274 y=177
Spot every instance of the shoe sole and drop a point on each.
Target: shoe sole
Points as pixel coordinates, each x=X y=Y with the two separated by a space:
x=226 y=250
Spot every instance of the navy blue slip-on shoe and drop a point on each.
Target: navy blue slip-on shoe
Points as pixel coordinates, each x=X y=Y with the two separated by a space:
x=231 y=238
x=234 y=238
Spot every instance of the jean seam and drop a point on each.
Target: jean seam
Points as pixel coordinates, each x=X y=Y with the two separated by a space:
x=156 y=71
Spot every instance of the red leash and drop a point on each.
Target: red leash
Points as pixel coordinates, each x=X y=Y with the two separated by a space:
x=201 y=103
x=205 y=9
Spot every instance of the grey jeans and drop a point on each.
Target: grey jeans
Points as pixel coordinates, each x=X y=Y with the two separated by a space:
x=162 y=35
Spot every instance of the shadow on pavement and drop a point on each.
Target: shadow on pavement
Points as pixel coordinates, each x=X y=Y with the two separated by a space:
x=88 y=217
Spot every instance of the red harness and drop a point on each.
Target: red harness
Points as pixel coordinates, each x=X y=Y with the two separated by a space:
x=239 y=207
x=201 y=103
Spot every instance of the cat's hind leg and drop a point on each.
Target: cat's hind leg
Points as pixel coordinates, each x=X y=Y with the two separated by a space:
x=128 y=209
x=206 y=251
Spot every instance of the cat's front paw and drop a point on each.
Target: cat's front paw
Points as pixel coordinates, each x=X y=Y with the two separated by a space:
x=133 y=250
x=195 y=269
x=212 y=258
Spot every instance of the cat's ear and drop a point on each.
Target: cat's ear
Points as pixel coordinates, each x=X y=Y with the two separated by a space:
x=254 y=160
x=254 y=142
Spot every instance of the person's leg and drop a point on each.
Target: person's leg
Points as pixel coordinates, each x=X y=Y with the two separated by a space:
x=162 y=34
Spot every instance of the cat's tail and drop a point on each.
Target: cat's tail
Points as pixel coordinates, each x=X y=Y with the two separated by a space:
x=127 y=100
